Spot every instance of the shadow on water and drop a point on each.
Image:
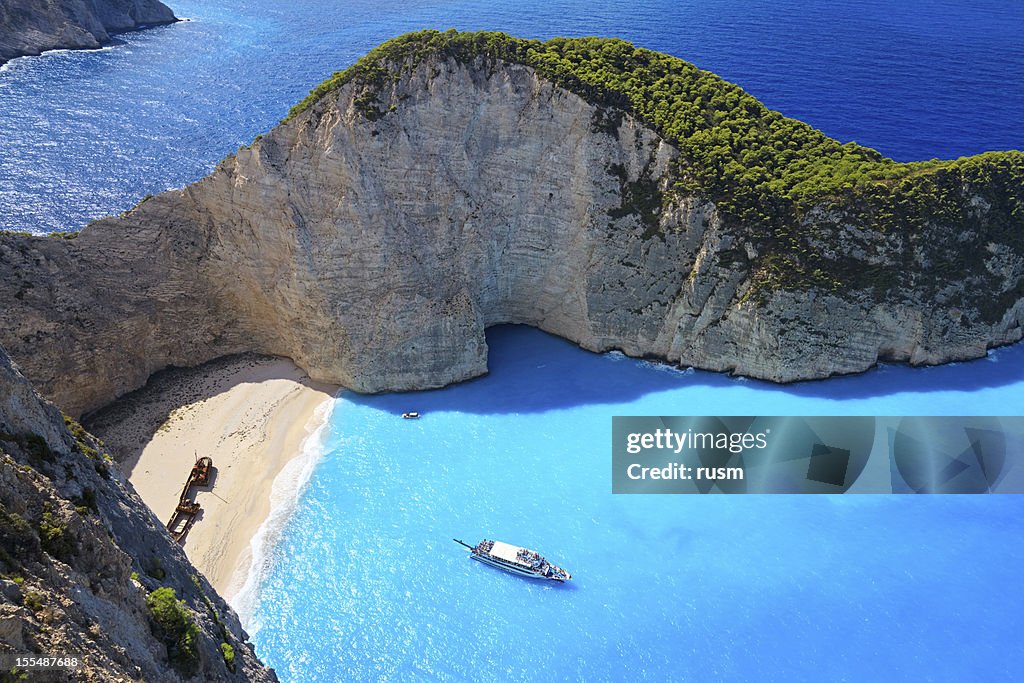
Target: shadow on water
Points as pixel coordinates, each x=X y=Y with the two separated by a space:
x=531 y=371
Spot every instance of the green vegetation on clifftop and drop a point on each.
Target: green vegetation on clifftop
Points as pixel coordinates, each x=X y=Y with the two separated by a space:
x=764 y=171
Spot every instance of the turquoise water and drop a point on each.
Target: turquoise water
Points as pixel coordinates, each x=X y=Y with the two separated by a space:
x=365 y=583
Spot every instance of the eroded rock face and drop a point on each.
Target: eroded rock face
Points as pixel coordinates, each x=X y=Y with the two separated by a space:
x=375 y=236
x=80 y=552
x=29 y=27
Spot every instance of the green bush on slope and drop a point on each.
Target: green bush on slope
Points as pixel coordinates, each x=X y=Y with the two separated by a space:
x=179 y=629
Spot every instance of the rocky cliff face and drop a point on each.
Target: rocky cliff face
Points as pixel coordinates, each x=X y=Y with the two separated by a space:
x=29 y=27
x=80 y=555
x=374 y=236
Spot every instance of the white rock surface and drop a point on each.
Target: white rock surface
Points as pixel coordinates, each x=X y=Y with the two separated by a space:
x=376 y=252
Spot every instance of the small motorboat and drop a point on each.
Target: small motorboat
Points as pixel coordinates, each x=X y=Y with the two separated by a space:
x=410 y=416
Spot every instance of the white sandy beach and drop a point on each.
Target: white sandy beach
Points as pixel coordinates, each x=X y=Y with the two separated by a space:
x=251 y=416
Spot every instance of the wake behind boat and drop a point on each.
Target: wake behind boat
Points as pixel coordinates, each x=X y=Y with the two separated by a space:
x=514 y=559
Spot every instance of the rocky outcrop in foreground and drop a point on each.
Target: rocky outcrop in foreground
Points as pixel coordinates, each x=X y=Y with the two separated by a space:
x=87 y=571
x=445 y=185
x=29 y=27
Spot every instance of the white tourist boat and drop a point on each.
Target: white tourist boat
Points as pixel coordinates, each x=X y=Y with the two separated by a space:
x=514 y=559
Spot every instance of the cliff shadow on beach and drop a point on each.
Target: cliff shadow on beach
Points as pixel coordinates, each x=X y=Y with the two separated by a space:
x=127 y=425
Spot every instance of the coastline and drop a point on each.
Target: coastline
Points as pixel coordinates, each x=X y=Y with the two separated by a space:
x=254 y=415
x=56 y=27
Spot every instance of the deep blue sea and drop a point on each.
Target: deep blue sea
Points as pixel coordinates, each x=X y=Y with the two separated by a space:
x=360 y=580
x=85 y=135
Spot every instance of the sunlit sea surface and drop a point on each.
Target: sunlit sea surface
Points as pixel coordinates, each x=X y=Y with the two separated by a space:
x=359 y=578
x=88 y=134
x=366 y=583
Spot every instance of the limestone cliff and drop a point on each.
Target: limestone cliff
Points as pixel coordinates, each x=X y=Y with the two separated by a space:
x=431 y=192
x=29 y=27
x=80 y=555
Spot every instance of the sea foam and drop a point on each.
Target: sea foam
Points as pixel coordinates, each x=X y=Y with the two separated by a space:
x=245 y=585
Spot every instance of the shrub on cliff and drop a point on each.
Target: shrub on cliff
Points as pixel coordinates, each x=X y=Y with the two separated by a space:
x=229 y=655
x=17 y=539
x=177 y=626
x=53 y=534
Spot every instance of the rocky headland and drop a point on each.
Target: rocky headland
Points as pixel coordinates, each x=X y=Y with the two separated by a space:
x=29 y=27
x=87 y=570
x=447 y=182
x=614 y=196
